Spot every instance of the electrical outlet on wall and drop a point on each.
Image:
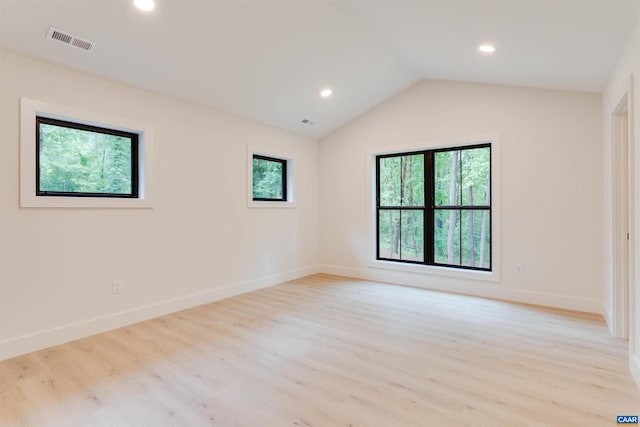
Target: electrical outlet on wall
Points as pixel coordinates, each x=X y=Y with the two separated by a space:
x=520 y=269
x=117 y=287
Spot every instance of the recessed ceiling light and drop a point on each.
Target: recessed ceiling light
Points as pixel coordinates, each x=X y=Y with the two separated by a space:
x=486 y=48
x=326 y=93
x=145 y=5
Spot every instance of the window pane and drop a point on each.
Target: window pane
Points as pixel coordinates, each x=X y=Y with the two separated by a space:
x=268 y=179
x=475 y=231
x=476 y=164
x=484 y=252
x=412 y=179
x=447 y=178
x=389 y=234
x=390 y=181
x=446 y=236
x=412 y=235
x=83 y=161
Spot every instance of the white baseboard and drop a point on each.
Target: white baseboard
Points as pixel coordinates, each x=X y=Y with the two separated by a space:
x=47 y=338
x=606 y=313
x=477 y=288
x=59 y=335
x=634 y=368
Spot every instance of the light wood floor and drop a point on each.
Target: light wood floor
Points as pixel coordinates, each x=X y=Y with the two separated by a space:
x=329 y=351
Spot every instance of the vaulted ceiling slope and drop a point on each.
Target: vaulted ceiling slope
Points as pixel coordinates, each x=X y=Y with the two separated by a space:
x=268 y=59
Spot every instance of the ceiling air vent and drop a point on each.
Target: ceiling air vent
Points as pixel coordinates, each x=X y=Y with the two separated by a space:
x=69 y=39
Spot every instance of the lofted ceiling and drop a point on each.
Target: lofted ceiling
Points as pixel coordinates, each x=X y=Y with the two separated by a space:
x=268 y=59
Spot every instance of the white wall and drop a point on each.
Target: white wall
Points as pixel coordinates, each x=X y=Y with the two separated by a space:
x=625 y=78
x=551 y=180
x=200 y=242
x=197 y=241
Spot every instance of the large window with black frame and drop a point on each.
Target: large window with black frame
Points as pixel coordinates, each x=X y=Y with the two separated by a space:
x=433 y=207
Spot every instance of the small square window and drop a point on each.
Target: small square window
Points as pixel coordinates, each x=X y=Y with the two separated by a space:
x=269 y=178
x=79 y=160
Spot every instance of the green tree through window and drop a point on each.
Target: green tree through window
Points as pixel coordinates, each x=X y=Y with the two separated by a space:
x=269 y=178
x=80 y=160
x=434 y=207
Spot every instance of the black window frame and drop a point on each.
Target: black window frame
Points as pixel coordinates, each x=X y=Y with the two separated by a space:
x=135 y=168
x=285 y=178
x=429 y=207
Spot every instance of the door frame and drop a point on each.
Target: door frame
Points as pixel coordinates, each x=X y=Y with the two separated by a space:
x=622 y=217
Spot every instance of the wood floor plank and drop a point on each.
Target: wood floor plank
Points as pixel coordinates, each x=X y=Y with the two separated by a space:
x=331 y=351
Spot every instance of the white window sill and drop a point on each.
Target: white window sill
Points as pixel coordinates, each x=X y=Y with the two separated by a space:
x=265 y=204
x=484 y=276
x=33 y=201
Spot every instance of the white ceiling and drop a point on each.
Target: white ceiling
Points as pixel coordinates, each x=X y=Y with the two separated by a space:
x=268 y=59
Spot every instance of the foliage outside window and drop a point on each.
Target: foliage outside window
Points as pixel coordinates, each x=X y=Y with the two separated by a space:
x=269 y=179
x=434 y=207
x=78 y=160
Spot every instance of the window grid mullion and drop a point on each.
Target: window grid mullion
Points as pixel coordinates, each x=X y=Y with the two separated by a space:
x=463 y=207
x=400 y=231
x=460 y=234
x=429 y=191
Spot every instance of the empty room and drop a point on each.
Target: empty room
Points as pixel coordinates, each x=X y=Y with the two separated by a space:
x=319 y=213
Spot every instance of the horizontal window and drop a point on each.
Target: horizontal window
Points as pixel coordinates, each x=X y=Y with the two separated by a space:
x=76 y=158
x=79 y=160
